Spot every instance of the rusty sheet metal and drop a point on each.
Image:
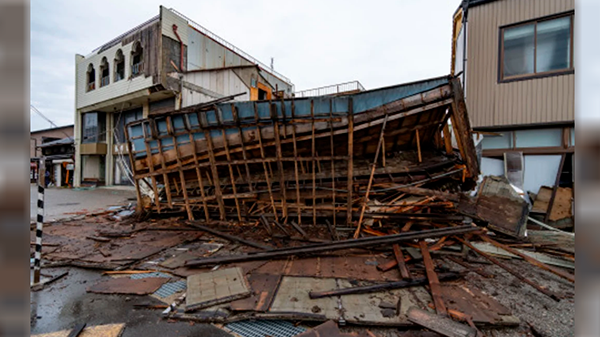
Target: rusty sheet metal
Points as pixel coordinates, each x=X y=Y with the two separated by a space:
x=75 y=247
x=483 y=309
x=348 y=267
x=264 y=287
x=126 y=285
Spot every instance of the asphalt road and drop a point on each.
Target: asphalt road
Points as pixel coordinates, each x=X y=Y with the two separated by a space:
x=63 y=203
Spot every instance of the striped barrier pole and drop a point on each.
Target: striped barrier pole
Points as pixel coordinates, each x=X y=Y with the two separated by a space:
x=40 y=222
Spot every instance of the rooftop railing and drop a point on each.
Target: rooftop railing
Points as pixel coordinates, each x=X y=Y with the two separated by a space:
x=331 y=89
x=230 y=46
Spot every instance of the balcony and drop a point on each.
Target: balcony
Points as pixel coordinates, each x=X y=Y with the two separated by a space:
x=91 y=86
x=104 y=81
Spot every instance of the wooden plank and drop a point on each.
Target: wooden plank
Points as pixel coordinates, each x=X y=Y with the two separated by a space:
x=332 y=145
x=373 y=166
x=530 y=259
x=200 y=180
x=228 y=156
x=418 y=145
x=434 y=282
x=555 y=187
x=314 y=179
x=510 y=270
x=298 y=202
x=404 y=272
x=262 y=156
x=350 y=159
x=215 y=174
x=440 y=324
x=462 y=128
x=181 y=176
x=278 y=154
x=236 y=119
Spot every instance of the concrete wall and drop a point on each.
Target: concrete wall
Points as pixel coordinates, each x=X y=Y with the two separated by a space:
x=531 y=101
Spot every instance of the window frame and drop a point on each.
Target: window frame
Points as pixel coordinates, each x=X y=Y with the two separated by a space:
x=565 y=71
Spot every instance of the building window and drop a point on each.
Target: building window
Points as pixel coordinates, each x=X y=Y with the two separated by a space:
x=93 y=128
x=537 y=48
x=137 y=59
x=91 y=78
x=104 y=73
x=124 y=118
x=119 y=65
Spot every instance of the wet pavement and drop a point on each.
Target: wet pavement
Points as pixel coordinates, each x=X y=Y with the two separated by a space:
x=63 y=202
x=65 y=304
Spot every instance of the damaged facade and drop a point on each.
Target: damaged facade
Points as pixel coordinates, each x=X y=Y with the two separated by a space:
x=166 y=63
x=516 y=63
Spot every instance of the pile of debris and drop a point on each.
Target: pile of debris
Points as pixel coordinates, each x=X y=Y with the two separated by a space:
x=355 y=209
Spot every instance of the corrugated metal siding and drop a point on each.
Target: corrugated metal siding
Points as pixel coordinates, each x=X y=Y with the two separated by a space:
x=543 y=100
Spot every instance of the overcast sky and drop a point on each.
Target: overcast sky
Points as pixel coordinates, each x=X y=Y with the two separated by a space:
x=314 y=43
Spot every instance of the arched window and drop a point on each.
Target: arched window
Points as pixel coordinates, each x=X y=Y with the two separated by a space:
x=104 y=72
x=119 y=66
x=91 y=78
x=137 y=59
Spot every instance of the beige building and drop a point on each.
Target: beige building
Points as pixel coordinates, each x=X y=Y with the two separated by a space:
x=166 y=63
x=515 y=60
x=56 y=163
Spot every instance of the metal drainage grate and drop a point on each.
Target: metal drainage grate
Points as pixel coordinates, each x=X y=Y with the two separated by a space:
x=169 y=289
x=263 y=328
x=146 y=275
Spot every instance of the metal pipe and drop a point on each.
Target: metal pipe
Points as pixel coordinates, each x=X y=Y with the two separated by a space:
x=180 y=47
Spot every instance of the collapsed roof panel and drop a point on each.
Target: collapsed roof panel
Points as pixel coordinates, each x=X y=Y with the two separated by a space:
x=309 y=157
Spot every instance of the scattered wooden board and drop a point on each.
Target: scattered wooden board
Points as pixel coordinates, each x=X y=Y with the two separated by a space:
x=126 y=285
x=109 y=330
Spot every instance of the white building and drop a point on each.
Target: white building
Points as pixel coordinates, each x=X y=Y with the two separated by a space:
x=166 y=63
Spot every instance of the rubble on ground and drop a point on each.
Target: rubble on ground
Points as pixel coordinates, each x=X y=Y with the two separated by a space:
x=334 y=212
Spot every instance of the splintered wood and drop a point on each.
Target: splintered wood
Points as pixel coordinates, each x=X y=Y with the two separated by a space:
x=312 y=159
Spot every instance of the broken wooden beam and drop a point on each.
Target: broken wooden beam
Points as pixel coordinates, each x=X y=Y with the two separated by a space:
x=434 y=282
x=465 y=265
x=544 y=291
x=442 y=325
x=530 y=259
x=337 y=245
x=418 y=281
x=228 y=236
x=400 y=261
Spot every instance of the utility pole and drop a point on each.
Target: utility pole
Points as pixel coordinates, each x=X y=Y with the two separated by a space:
x=40 y=220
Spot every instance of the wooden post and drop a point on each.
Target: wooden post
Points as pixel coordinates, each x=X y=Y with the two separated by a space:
x=262 y=156
x=350 y=159
x=373 y=166
x=462 y=129
x=555 y=188
x=418 y=145
x=299 y=209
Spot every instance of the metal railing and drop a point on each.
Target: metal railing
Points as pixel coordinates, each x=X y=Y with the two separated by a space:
x=104 y=81
x=230 y=46
x=91 y=86
x=331 y=89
